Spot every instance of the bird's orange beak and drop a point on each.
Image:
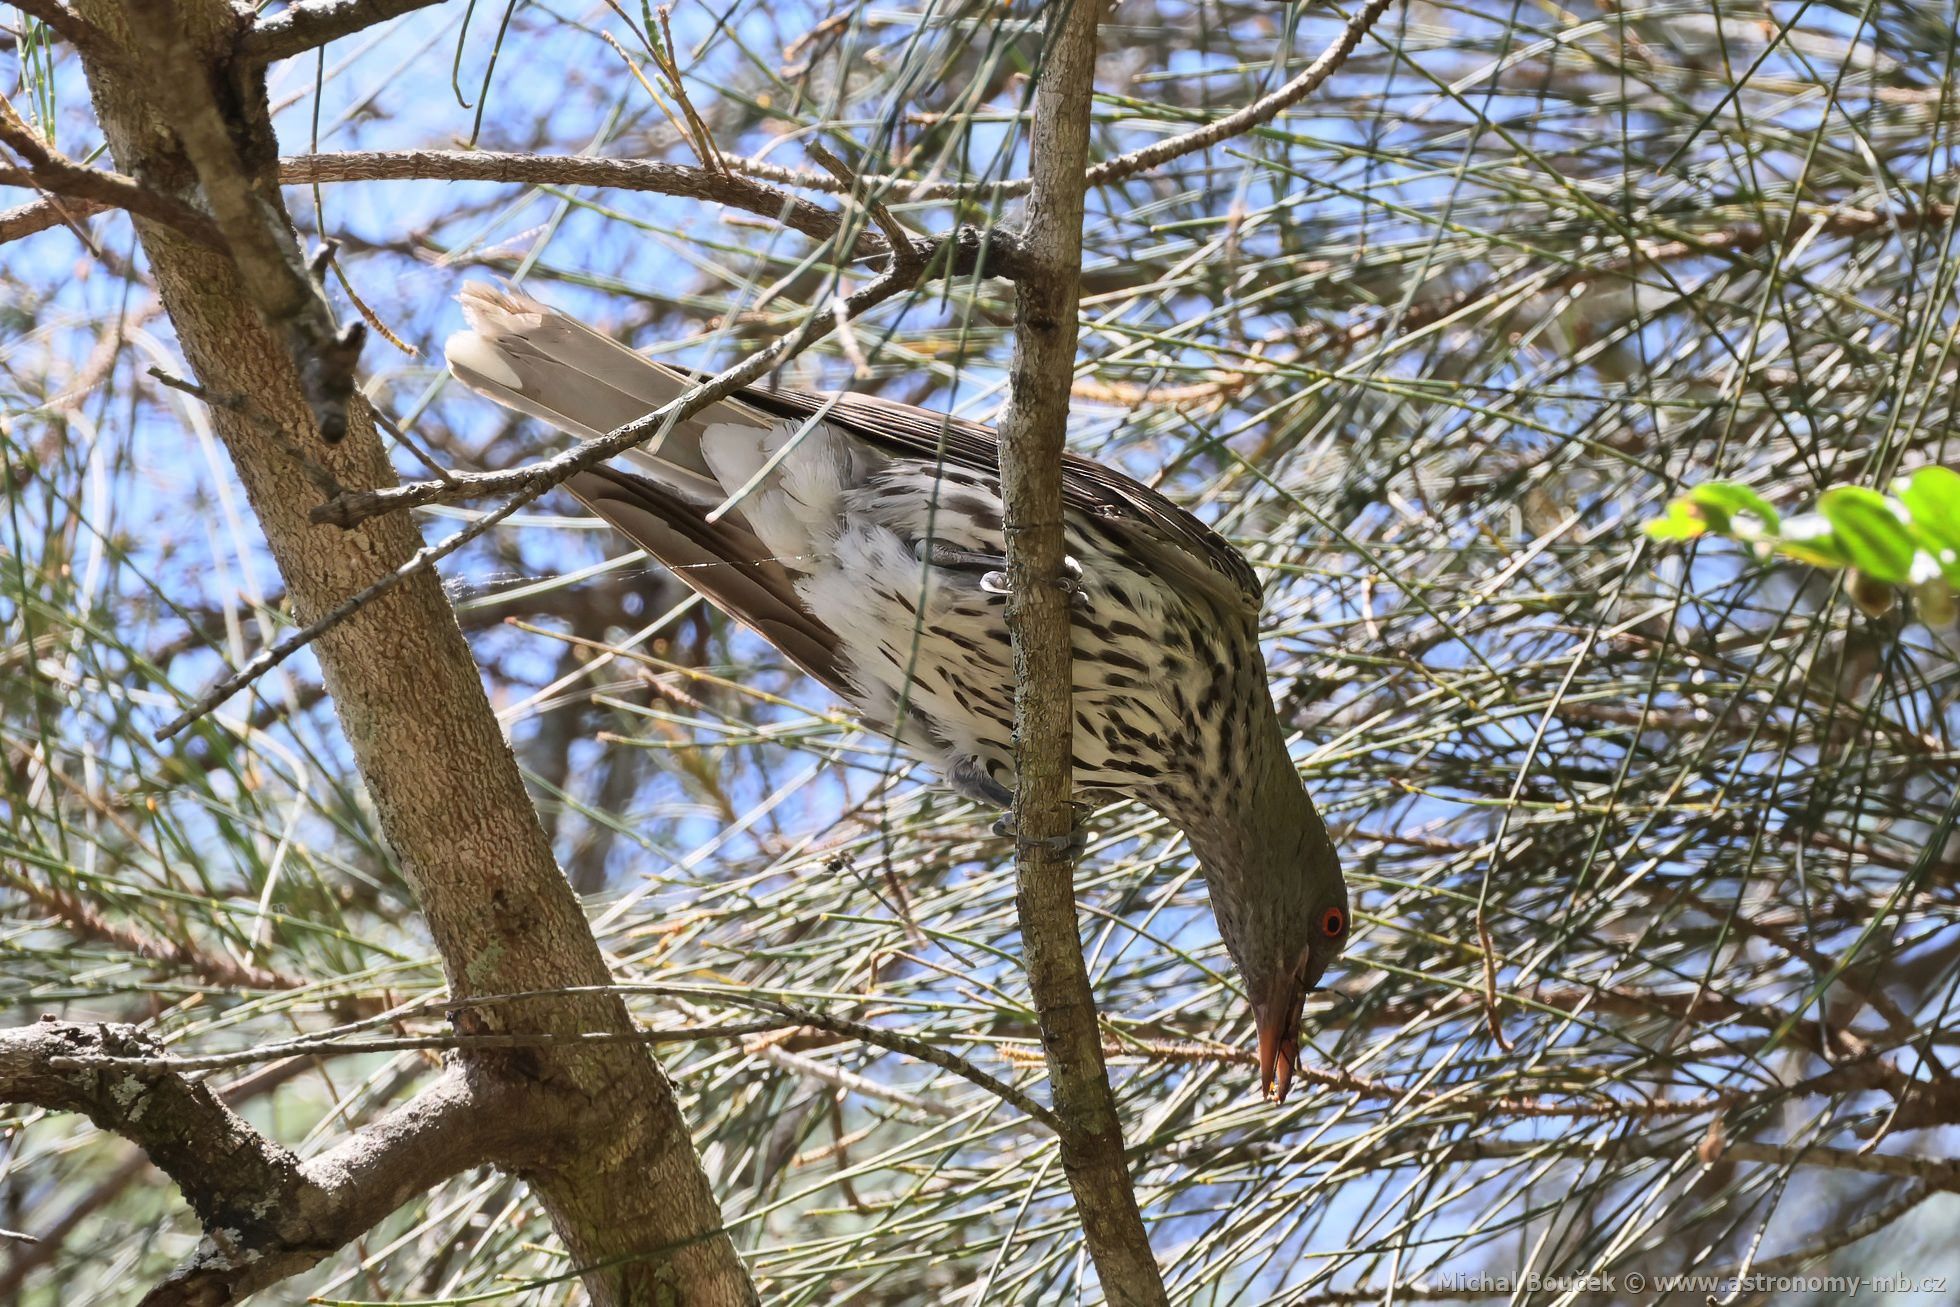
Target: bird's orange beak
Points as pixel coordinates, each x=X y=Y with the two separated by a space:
x=1279 y=1044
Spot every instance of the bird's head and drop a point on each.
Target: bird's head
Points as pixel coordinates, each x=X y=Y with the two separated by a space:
x=1315 y=935
x=1282 y=909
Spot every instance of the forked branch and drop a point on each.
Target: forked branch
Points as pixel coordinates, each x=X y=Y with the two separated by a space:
x=267 y=1214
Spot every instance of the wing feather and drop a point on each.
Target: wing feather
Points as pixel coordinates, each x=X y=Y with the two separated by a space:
x=1166 y=536
x=721 y=561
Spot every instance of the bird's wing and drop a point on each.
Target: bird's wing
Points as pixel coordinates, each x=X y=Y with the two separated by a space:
x=721 y=561
x=1163 y=535
x=542 y=362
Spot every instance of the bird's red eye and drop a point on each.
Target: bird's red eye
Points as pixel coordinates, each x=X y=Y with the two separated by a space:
x=1333 y=922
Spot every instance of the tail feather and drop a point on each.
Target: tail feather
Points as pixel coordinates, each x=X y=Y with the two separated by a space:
x=540 y=362
x=721 y=561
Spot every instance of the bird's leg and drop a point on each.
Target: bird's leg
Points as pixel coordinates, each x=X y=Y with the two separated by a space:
x=968 y=778
x=991 y=567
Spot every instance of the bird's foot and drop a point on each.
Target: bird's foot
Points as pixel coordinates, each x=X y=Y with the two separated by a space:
x=1071 y=846
x=968 y=777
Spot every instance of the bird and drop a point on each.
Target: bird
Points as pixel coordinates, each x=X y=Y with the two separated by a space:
x=864 y=539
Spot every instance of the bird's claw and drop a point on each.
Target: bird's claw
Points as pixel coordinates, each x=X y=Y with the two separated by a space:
x=1070 y=846
x=968 y=778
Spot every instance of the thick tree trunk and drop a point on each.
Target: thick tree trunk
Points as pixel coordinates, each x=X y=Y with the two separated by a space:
x=631 y=1200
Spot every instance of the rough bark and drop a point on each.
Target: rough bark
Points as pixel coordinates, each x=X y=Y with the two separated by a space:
x=267 y=1215
x=1032 y=430
x=629 y=1199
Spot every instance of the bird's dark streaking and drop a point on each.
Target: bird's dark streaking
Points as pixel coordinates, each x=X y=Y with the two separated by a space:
x=864 y=539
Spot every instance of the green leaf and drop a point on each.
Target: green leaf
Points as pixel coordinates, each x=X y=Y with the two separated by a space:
x=1681 y=523
x=1932 y=496
x=1808 y=538
x=1878 y=543
x=1721 y=502
x=1724 y=507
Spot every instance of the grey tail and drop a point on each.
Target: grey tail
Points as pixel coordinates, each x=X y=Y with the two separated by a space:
x=538 y=361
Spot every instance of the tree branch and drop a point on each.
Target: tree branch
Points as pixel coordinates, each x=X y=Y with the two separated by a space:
x=970 y=247
x=783 y=1016
x=39 y=215
x=228 y=1172
x=302 y=27
x=1123 y=166
x=51 y=1237
x=1031 y=435
x=678 y=179
x=267 y=1215
x=274 y=276
x=629 y=1199
x=68 y=25
x=94 y=188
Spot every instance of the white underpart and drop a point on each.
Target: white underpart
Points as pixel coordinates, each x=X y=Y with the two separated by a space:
x=927 y=646
x=792 y=506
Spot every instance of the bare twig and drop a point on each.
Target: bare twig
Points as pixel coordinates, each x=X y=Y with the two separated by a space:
x=267 y=659
x=1456 y=1096
x=905 y=252
x=304 y=26
x=1123 y=166
x=970 y=248
x=790 y=1013
x=84 y=921
x=1031 y=438
x=676 y=179
x=153 y=1066
x=923 y=1050
x=1846 y=1234
x=1939 y=1173
x=175 y=1064
x=663 y=56
x=852 y=1083
x=960 y=251
x=1256 y=114
x=323 y=480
